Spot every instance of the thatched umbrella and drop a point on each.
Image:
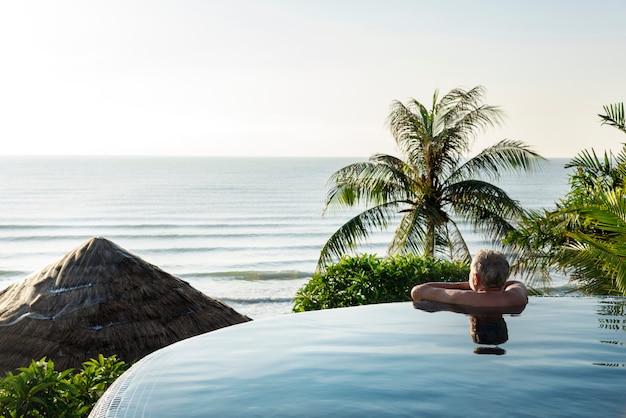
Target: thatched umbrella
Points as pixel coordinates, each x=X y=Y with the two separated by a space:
x=100 y=299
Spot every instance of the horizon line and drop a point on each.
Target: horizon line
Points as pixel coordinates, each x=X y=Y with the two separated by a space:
x=204 y=156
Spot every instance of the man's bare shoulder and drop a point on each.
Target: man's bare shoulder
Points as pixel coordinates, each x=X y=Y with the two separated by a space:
x=513 y=294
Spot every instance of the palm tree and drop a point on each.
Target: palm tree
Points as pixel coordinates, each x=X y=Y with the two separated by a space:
x=585 y=236
x=597 y=258
x=435 y=186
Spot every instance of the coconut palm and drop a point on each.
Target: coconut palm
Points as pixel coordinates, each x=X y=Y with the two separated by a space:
x=435 y=186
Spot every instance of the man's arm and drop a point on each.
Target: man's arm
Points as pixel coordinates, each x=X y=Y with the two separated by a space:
x=441 y=292
x=514 y=294
x=451 y=285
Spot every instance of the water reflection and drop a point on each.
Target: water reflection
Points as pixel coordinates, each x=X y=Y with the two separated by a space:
x=487 y=326
x=488 y=329
x=612 y=316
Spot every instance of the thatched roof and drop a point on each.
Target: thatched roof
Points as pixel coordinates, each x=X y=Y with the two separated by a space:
x=100 y=299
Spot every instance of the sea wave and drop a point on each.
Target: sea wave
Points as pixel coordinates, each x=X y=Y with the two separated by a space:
x=12 y=273
x=270 y=232
x=250 y=301
x=222 y=248
x=250 y=275
x=238 y=222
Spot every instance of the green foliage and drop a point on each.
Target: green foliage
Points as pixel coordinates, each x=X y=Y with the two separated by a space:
x=534 y=246
x=435 y=185
x=40 y=391
x=37 y=391
x=614 y=116
x=93 y=380
x=597 y=253
x=368 y=279
x=585 y=236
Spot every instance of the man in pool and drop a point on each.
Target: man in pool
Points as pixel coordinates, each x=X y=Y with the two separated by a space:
x=487 y=285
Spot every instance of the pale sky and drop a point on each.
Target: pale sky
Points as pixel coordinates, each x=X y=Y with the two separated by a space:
x=299 y=77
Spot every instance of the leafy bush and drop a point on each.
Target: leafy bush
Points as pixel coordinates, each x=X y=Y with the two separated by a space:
x=584 y=237
x=40 y=391
x=368 y=279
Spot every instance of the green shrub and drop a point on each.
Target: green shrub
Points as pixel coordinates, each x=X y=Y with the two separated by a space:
x=368 y=279
x=40 y=391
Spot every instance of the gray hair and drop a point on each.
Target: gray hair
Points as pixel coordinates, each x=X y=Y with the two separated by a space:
x=492 y=268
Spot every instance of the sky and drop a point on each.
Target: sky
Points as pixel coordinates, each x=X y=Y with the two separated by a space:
x=299 y=77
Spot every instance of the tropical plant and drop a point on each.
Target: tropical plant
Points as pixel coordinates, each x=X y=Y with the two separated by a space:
x=614 y=116
x=40 y=391
x=37 y=391
x=435 y=186
x=584 y=236
x=368 y=279
x=597 y=254
x=93 y=380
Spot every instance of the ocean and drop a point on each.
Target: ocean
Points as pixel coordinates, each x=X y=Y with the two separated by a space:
x=246 y=231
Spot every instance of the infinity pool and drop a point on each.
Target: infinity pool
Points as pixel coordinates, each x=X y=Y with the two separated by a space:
x=559 y=357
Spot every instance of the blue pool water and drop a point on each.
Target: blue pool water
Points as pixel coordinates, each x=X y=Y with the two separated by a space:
x=562 y=357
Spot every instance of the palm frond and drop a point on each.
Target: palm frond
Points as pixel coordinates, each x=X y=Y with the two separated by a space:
x=490 y=222
x=355 y=231
x=486 y=207
x=451 y=148
x=593 y=260
x=504 y=156
x=620 y=159
x=409 y=235
x=588 y=160
x=532 y=247
x=614 y=116
x=460 y=116
x=607 y=213
x=596 y=173
x=370 y=183
x=465 y=111
x=410 y=126
x=452 y=241
x=392 y=162
x=461 y=99
x=467 y=196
